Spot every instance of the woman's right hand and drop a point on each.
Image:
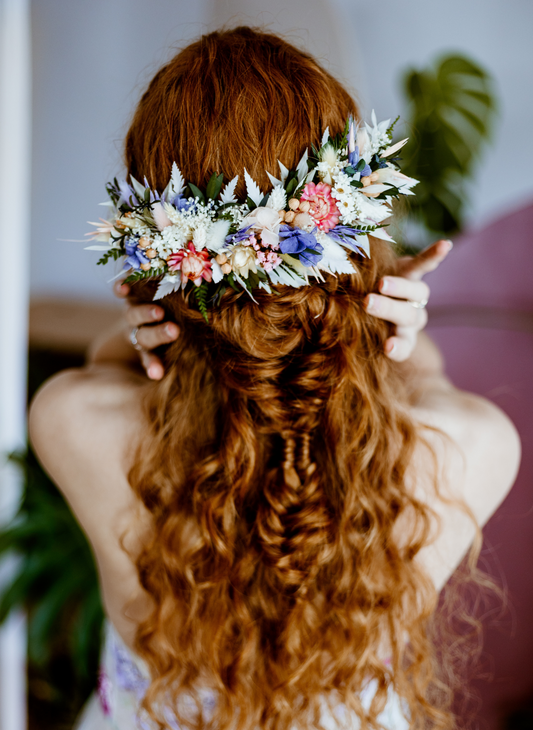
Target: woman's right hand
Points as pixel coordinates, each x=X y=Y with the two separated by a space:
x=145 y=321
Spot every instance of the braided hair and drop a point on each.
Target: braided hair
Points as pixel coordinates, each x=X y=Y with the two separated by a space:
x=275 y=457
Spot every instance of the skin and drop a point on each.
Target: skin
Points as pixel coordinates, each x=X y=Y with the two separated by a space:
x=85 y=423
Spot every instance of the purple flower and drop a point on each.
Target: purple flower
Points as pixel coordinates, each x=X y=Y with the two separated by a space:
x=182 y=203
x=353 y=161
x=241 y=235
x=135 y=255
x=300 y=244
x=127 y=193
x=353 y=157
x=346 y=235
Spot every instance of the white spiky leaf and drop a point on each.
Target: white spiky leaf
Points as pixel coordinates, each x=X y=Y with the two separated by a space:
x=364 y=244
x=176 y=179
x=273 y=180
x=382 y=233
x=252 y=188
x=302 y=168
x=265 y=286
x=139 y=189
x=335 y=259
x=325 y=137
x=216 y=271
x=241 y=282
x=284 y=171
x=228 y=194
x=168 y=285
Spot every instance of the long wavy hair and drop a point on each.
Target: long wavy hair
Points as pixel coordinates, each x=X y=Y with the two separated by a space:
x=275 y=461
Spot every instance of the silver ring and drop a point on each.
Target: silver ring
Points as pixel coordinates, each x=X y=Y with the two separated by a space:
x=133 y=339
x=418 y=305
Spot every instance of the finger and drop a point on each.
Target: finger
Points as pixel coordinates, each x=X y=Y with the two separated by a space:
x=121 y=290
x=401 y=288
x=139 y=314
x=161 y=334
x=399 y=348
x=152 y=365
x=418 y=266
x=400 y=313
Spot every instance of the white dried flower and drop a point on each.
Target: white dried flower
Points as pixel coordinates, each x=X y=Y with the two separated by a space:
x=243 y=260
x=277 y=199
x=199 y=237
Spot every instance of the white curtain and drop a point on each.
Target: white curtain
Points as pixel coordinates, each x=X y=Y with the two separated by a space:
x=15 y=143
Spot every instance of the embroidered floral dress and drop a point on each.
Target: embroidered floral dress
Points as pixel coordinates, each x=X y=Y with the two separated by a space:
x=124 y=679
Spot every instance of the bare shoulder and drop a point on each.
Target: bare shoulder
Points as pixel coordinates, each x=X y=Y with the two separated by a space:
x=84 y=424
x=477 y=447
x=476 y=451
x=67 y=406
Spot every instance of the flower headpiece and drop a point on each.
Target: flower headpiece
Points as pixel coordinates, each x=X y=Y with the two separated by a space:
x=205 y=241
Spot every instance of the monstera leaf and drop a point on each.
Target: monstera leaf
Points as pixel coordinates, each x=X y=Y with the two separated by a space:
x=451 y=109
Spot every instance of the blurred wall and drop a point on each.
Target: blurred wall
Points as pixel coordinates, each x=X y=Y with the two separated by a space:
x=92 y=59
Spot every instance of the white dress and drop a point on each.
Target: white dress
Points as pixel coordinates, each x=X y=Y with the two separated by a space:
x=124 y=679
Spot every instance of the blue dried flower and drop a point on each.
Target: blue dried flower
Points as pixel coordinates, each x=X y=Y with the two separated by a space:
x=300 y=244
x=135 y=254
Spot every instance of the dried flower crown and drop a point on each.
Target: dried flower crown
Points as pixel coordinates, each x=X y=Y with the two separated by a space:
x=205 y=241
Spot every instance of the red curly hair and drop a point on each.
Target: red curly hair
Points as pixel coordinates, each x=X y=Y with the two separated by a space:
x=275 y=465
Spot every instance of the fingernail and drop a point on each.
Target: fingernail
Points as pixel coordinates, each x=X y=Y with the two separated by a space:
x=390 y=346
x=370 y=303
x=157 y=313
x=384 y=285
x=171 y=330
x=450 y=244
x=154 y=372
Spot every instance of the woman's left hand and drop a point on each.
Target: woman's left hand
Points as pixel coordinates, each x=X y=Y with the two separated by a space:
x=403 y=298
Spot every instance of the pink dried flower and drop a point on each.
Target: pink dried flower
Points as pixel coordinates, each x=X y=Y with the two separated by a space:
x=323 y=209
x=194 y=265
x=268 y=260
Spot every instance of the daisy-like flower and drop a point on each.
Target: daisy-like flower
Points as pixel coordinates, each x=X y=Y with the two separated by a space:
x=194 y=265
x=323 y=209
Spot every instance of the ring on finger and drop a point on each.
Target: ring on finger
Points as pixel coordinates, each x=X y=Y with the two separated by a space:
x=133 y=339
x=418 y=305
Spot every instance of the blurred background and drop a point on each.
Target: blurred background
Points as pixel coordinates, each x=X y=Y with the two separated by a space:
x=458 y=74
